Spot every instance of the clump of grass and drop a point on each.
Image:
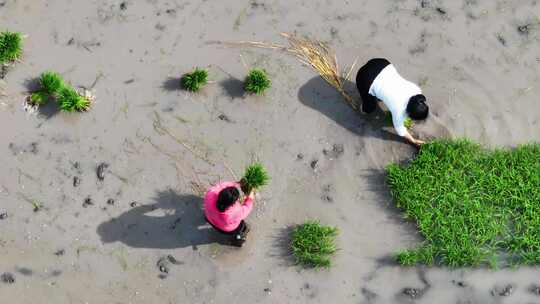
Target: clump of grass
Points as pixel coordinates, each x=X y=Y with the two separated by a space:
x=36 y=205
x=39 y=98
x=257 y=81
x=194 y=80
x=51 y=83
x=53 y=86
x=313 y=244
x=254 y=178
x=70 y=101
x=10 y=47
x=473 y=206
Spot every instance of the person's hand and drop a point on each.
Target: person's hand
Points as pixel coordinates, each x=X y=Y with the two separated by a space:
x=243 y=186
x=419 y=142
x=252 y=194
x=416 y=142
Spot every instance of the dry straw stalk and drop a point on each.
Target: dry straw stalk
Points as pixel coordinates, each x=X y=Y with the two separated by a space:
x=315 y=54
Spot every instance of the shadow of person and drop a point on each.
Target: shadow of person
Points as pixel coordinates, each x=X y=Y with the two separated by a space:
x=320 y=96
x=173 y=221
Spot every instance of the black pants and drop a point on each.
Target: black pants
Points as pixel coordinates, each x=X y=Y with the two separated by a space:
x=365 y=77
x=241 y=228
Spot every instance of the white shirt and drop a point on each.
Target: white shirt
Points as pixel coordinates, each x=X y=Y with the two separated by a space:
x=395 y=91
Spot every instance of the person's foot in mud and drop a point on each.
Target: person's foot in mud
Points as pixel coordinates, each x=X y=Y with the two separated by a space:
x=241 y=237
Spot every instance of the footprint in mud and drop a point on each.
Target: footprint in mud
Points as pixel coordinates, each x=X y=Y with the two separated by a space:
x=534 y=289
x=88 y=202
x=309 y=291
x=164 y=265
x=76 y=181
x=314 y=164
x=20 y=149
x=421 y=45
x=414 y=293
x=428 y=11
x=459 y=284
x=7 y=278
x=326 y=195
x=100 y=171
x=502 y=291
x=336 y=151
x=369 y=295
x=224 y=118
x=525 y=29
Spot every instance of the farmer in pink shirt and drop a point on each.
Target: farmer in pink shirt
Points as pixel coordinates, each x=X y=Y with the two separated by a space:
x=225 y=213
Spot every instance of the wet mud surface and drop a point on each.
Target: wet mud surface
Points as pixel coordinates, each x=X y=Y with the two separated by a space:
x=105 y=206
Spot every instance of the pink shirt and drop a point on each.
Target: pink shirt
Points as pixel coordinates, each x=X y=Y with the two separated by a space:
x=232 y=216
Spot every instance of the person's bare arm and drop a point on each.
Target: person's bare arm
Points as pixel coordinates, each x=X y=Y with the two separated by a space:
x=399 y=126
x=412 y=140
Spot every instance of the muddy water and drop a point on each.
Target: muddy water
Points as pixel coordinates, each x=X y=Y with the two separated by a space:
x=477 y=61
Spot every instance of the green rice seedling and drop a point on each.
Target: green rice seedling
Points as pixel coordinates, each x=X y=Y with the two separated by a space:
x=388 y=120
x=194 y=80
x=10 y=47
x=36 y=206
x=313 y=244
x=257 y=81
x=254 y=178
x=39 y=98
x=408 y=123
x=51 y=83
x=70 y=101
x=473 y=206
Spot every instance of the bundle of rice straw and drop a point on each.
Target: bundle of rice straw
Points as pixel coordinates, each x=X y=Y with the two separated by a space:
x=315 y=54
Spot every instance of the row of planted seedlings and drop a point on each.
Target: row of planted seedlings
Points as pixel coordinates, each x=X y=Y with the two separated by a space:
x=52 y=87
x=256 y=82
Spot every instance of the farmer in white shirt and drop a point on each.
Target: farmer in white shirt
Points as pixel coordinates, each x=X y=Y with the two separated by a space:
x=379 y=79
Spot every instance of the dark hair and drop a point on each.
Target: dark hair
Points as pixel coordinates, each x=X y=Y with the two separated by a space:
x=417 y=107
x=226 y=198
